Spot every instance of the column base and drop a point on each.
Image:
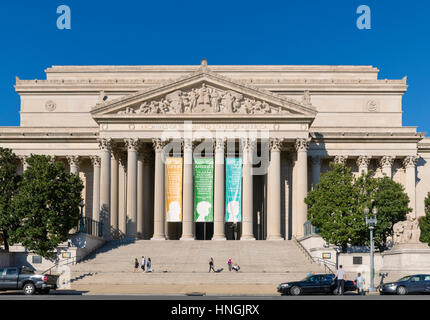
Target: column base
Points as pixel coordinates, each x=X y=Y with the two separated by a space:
x=275 y=238
x=187 y=238
x=158 y=238
x=247 y=238
x=218 y=238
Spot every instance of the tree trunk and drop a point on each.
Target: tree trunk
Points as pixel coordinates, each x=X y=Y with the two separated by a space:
x=5 y=241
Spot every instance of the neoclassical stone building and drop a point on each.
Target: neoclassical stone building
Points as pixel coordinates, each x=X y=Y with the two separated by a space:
x=110 y=124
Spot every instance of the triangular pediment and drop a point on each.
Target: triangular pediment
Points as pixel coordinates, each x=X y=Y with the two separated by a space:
x=203 y=92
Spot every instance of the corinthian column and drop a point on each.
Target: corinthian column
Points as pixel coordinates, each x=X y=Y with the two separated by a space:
x=247 y=195
x=105 y=146
x=114 y=190
x=95 y=160
x=274 y=191
x=302 y=185
x=340 y=159
x=188 y=206
x=219 y=198
x=363 y=164
x=140 y=200
x=158 y=191
x=386 y=165
x=74 y=164
x=132 y=145
x=409 y=164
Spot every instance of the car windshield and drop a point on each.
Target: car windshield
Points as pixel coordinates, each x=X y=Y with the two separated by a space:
x=405 y=278
x=27 y=270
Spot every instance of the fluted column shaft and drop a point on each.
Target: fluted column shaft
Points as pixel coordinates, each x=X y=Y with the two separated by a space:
x=140 y=199
x=274 y=191
x=122 y=194
x=302 y=185
x=410 y=163
x=219 y=189
x=247 y=195
x=187 y=201
x=95 y=160
x=132 y=145
x=158 y=192
x=114 y=190
x=386 y=165
x=105 y=184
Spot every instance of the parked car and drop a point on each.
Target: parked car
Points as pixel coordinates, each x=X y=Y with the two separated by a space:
x=317 y=283
x=419 y=283
x=27 y=280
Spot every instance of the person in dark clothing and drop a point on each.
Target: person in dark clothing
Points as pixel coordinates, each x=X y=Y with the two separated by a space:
x=211 y=265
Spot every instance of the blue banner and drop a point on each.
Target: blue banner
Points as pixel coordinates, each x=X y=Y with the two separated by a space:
x=233 y=192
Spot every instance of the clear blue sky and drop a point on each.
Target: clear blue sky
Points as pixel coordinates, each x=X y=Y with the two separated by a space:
x=132 y=32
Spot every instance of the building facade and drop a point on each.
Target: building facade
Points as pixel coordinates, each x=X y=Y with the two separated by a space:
x=115 y=126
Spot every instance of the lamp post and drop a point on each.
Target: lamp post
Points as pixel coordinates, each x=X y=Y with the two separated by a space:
x=82 y=226
x=371 y=222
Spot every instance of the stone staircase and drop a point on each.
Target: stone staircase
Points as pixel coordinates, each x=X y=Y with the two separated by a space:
x=186 y=262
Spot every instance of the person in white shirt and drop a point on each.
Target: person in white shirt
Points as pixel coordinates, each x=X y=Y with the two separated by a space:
x=340 y=277
x=143 y=264
x=360 y=284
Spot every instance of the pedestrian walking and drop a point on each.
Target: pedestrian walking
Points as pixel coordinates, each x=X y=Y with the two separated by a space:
x=229 y=264
x=359 y=280
x=340 y=277
x=211 y=265
x=143 y=264
x=149 y=265
x=136 y=265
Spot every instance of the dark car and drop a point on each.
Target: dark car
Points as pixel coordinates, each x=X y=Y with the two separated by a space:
x=419 y=283
x=27 y=280
x=317 y=283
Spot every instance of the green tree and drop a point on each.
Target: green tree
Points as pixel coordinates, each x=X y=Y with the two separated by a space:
x=334 y=207
x=8 y=187
x=47 y=204
x=425 y=222
x=393 y=205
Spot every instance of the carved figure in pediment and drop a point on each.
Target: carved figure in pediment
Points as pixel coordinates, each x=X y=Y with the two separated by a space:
x=176 y=102
x=215 y=101
x=227 y=100
x=203 y=95
x=265 y=107
x=144 y=108
x=192 y=98
x=238 y=107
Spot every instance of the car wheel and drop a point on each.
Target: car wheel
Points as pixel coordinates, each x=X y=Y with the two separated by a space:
x=401 y=291
x=29 y=289
x=295 y=291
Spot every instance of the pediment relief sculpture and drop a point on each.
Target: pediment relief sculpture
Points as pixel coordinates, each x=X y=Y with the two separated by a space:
x=204 y=99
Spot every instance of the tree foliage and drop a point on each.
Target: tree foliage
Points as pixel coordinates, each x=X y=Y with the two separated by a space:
x=8 y=187
x=336 y=207
x=425 y=222
x=47 y=205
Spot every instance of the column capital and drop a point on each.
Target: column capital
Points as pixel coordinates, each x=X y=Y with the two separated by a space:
x=73 y=160
x=105 y=144
x=132 y=144
x=158 y=144
x=301 y=145
x=247 y=144
x=95 y=160
x=187 y=144
x=340 y=159
x=219 y=145
x=386 y=161
x=276 y=144
x=410 y=161
x=363 y=161
x=23 y=159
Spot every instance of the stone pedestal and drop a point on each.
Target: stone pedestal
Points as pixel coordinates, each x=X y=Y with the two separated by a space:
x=407 y=258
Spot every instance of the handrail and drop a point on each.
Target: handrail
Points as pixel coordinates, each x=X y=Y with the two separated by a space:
x=326 y=264
x=70 y=260
x=303 y=249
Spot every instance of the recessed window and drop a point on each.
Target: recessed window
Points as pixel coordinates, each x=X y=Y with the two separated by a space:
x=357 y=260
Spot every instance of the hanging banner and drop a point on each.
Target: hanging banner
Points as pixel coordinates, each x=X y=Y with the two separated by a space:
x=233 y=192
x=173 y=189
x=203 y=189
